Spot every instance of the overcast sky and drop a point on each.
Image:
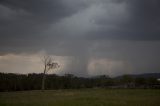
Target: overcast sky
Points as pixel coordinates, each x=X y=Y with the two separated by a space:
x=86 y=37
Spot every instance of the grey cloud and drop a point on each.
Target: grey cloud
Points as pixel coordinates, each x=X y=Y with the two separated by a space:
x=123 y=31
x=23 y=23
x=26 y=19
x=139 y=20
x=136 y=56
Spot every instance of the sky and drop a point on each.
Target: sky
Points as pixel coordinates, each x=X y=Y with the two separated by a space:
x=86 y=37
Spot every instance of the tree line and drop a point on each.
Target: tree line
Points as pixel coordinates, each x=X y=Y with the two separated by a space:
x=19 y=82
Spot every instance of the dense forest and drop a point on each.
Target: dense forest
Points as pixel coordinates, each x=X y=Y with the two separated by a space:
x=19 y=82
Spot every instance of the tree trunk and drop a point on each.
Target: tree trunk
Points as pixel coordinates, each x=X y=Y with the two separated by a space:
x=43 y=82
x=43 y=79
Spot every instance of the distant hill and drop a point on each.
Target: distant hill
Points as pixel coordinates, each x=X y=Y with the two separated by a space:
x=144 y=75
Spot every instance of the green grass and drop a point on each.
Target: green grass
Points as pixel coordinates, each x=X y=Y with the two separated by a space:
x=82 y=97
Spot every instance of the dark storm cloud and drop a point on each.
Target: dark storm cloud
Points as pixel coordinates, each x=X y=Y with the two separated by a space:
x=141 y=22
x=123 y=33
x=26 y=18
x=22 y=22
x=145 y=18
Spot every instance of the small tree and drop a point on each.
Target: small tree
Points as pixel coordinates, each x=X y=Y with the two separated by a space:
x=49 y=64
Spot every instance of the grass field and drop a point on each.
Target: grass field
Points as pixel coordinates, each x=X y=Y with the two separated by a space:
x=82 y=97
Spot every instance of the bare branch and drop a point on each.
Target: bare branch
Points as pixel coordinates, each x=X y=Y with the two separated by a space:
x=48 y=65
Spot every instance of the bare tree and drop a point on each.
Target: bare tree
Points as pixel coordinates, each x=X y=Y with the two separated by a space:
x=49 y=64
